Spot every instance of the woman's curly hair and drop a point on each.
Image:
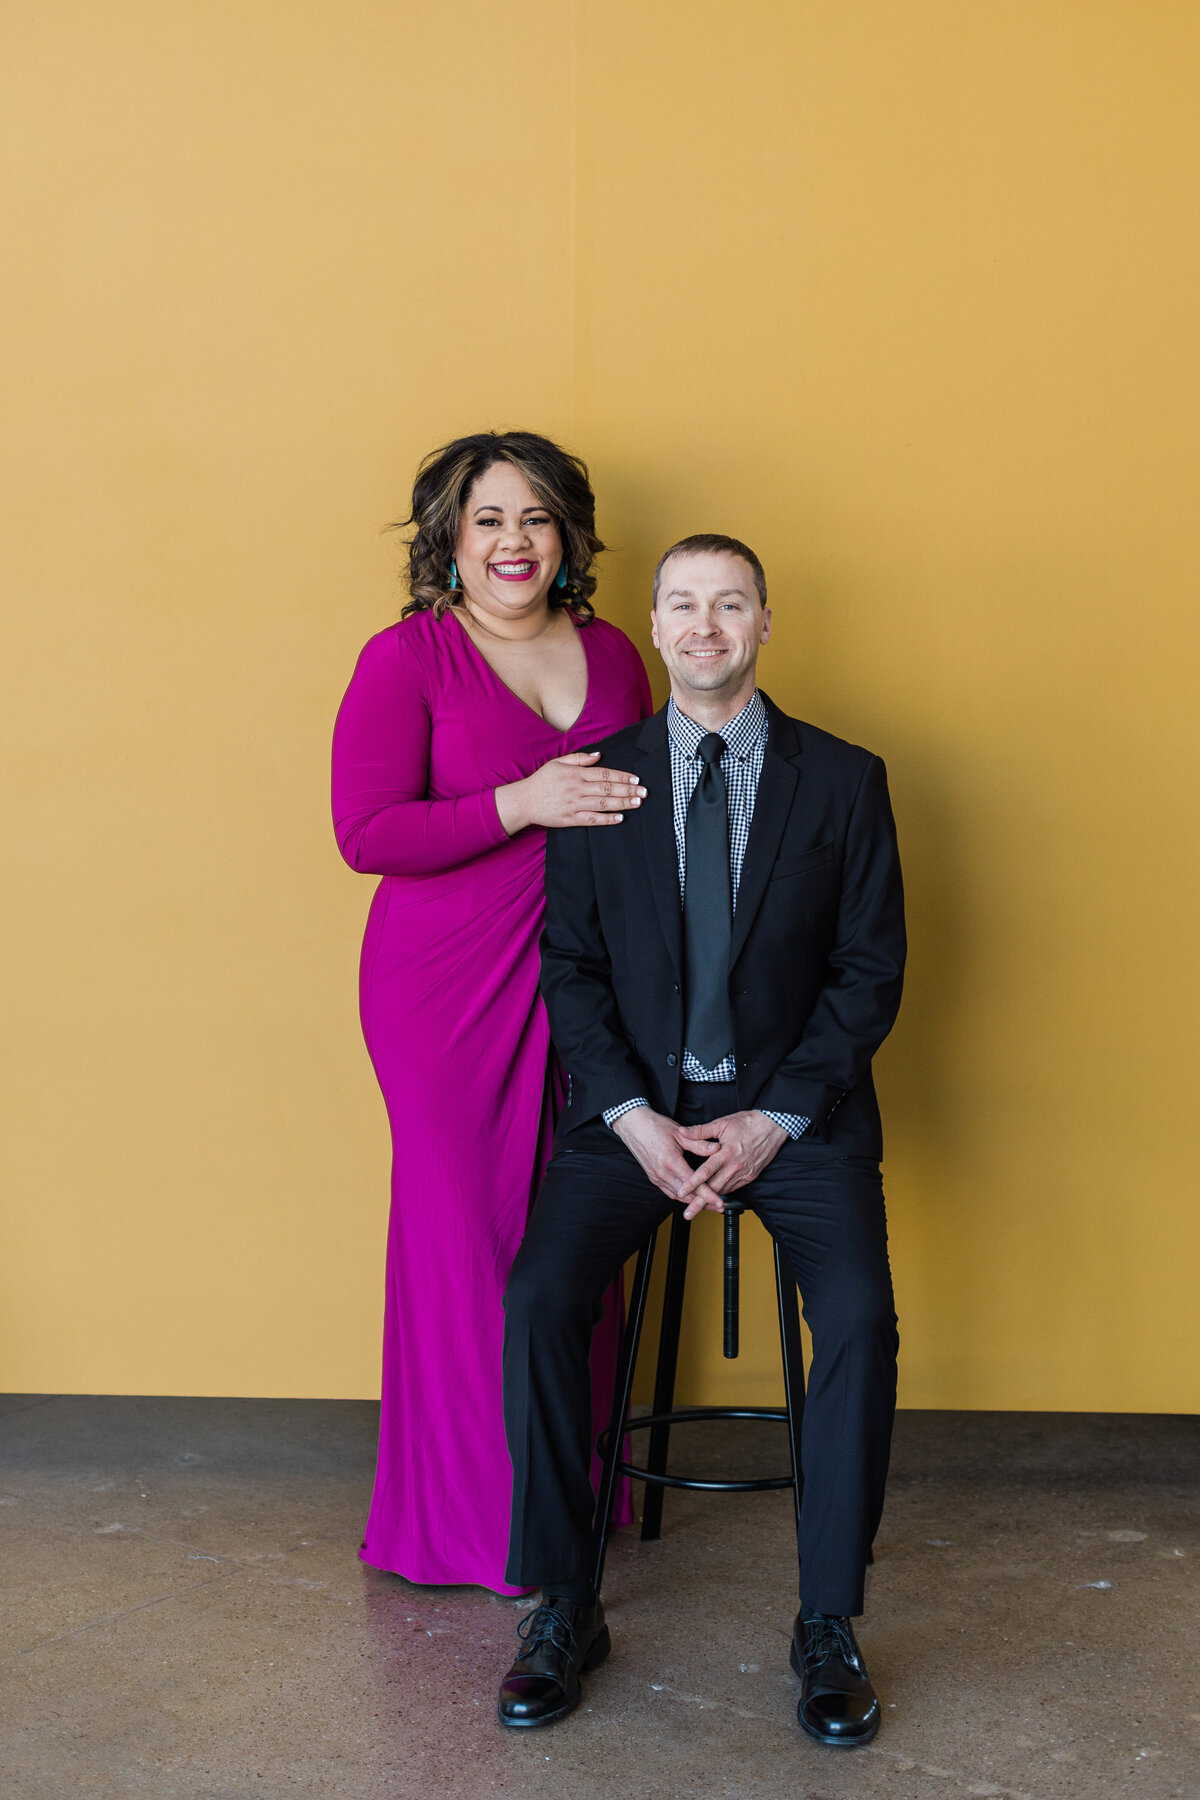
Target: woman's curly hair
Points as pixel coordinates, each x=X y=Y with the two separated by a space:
x=443 y=482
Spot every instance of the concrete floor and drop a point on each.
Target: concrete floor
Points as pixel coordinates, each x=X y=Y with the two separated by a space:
x=184 y=1615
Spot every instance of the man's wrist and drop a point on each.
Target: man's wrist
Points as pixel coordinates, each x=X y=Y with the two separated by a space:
x=795 y=1124
x=611 y=1114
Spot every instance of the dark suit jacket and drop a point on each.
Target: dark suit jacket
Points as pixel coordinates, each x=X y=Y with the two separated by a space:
x=816 y=961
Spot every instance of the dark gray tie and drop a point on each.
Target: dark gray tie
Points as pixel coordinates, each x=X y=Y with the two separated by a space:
x=707 y=912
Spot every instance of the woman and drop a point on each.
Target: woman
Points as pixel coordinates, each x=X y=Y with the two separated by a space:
x=457 y=746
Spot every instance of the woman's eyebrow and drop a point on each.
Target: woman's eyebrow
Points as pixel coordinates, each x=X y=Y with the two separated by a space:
x=525 y=509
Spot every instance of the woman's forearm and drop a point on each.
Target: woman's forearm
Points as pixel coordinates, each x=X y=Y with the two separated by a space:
x=422 y=837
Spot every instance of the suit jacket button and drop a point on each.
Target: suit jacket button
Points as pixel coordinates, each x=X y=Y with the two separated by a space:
x=672 y=1059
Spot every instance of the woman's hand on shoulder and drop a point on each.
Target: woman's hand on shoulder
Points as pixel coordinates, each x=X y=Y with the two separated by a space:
x=571 y=790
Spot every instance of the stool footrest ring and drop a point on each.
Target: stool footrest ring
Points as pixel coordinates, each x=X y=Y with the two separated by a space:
x=691 y=1415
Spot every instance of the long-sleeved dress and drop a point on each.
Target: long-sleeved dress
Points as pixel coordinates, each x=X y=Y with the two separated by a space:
x=457 y=1033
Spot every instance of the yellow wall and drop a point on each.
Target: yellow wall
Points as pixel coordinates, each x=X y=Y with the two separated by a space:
x=903 y=293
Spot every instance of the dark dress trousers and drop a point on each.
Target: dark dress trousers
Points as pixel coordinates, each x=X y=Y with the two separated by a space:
x=815 y=971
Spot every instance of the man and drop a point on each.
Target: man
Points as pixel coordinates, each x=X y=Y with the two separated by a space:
x=718 y=971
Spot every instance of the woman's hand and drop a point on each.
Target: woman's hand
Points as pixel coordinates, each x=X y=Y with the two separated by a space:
x=571 y=790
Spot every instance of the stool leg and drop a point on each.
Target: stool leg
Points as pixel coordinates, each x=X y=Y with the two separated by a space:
x=664 y=1379
x=792 y=1348
x=622 y=1388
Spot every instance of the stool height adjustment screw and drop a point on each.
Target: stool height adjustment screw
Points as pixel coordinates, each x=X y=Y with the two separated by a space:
x=733 y=1213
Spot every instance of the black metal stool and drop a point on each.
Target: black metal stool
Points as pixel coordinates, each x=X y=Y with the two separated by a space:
x=663 y=1413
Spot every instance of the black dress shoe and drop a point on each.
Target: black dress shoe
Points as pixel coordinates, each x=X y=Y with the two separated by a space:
x=838 y=1705
x=559 y=1642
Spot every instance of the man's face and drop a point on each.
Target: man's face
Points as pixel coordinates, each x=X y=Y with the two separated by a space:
x=708 y=625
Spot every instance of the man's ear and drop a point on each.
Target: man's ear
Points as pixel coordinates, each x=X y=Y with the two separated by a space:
x=766 y=626
x=654 y=628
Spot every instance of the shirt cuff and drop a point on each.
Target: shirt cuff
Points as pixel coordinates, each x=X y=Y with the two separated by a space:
x=613 y=1113
x=793 y=1123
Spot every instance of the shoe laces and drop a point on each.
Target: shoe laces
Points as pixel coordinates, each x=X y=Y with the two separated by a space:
x=547 y=1625
x=826 y=1636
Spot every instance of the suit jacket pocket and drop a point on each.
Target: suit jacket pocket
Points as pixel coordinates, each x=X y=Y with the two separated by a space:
x=800 y=865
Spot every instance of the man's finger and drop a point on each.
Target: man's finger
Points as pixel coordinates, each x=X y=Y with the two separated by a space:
x=686 y=1181
x=672 y=1186
x=669 y=1172
x=696 y=1146
x=681 y=1173
x=705 y=1198
x=708 y=1171
x=711 y=1128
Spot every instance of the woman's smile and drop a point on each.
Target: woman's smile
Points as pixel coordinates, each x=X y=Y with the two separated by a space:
x=524 y=570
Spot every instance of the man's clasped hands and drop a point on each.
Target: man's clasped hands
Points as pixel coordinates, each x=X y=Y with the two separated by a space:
x=735 y=1149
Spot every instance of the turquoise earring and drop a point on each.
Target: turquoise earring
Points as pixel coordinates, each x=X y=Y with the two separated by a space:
x=560 y=580
x=453 y=573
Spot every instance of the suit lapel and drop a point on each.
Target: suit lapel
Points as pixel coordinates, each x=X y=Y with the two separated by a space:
x=773 y=802
x=656 y=825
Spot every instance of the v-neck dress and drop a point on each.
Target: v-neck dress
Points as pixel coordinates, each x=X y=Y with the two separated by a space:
x=458 y=1036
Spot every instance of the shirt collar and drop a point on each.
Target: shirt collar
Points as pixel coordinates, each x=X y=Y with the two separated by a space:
x=743 y=734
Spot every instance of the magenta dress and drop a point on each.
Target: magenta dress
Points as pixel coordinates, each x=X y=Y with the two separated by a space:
x=458 y=1036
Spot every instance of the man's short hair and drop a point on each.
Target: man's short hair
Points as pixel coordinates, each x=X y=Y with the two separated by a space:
x=713 y=541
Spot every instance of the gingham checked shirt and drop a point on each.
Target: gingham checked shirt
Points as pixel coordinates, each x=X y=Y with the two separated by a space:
x=746 y=742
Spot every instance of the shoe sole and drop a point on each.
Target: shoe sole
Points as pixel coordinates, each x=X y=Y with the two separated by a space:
x=830 y=1740
x=599 y=1648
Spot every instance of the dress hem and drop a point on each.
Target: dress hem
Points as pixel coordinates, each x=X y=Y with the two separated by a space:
x=501 y=1589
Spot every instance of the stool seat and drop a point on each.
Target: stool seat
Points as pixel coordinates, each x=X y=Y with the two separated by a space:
x=664 y=1415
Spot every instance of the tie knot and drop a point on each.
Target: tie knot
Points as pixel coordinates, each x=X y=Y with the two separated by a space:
x=711 y=748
